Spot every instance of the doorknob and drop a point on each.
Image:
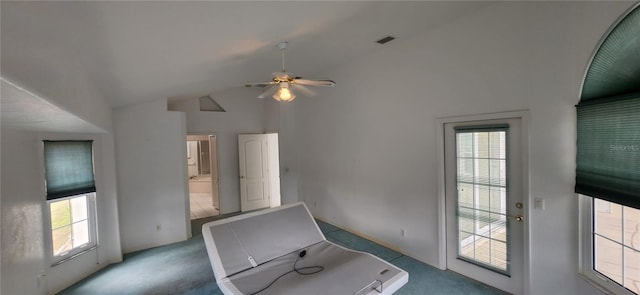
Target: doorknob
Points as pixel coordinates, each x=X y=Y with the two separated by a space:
x=518 y=218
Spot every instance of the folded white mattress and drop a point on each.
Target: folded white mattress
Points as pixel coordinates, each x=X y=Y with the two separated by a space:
x=260 y=252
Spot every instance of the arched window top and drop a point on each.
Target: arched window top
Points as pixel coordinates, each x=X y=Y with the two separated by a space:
x=615 y=68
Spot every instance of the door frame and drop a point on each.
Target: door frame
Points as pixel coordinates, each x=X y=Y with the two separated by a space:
x=211 y=137
x=523 y=115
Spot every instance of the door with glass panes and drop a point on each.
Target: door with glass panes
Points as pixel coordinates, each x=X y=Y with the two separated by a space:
x=484 y=204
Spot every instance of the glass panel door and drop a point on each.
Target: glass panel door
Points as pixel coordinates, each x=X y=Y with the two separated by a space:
x=482 y=198
x=484 y=173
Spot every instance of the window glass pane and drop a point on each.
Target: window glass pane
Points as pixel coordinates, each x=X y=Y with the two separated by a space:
x=60 y=214
x=78 y=209
x=465 y=170
x=482 y=171
x=608 y=220
x=499 y=227
x=80 y=234
x=483 y=198
x=632 y=229
x=61 y=240
x=499 y=254
x=465 y=220
x=465 y=195
x=482 y=144
x=482 y=222
x=498 y=200
x=608 y=258
x=497 y=172
x=467 y=246
x=465 y=144
x=632 y=270
x=497 y=145
x=483 y=250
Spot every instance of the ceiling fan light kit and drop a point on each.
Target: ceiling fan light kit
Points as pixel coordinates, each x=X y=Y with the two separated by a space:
x=284 y=93
x=282 y=84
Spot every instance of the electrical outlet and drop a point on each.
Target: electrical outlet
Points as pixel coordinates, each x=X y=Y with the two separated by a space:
x=40 y=279
x=403 y=232
x=315 y=204
x=158 y=227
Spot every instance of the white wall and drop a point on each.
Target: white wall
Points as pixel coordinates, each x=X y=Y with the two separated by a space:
x=244 y=114
x=280 y=118
x=24 y=250
x=151 y=160
x=367 y=148
x=33 y=56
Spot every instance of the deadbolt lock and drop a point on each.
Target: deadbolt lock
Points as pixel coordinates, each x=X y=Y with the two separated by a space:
x=519 y=205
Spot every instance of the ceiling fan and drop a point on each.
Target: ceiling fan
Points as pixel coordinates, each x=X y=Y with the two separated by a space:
x=282 y=84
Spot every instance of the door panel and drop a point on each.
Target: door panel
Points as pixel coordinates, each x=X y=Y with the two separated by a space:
x=483 y=175
x=254 y=173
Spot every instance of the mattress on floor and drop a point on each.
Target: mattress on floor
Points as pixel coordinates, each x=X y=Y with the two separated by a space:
x=250 y=252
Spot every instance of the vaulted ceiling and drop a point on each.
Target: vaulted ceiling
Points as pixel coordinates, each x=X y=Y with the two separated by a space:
x=139 y=51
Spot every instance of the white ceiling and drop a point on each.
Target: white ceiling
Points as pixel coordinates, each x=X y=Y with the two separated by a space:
x=141 y=51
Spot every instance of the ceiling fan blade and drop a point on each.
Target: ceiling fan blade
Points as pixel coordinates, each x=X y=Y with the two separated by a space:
x=315 y=82
x=304 y=90
x=269 y=92
x=260 y=84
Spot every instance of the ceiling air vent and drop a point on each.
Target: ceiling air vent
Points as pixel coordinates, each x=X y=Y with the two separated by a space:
x=208 y=104
x=385 y=40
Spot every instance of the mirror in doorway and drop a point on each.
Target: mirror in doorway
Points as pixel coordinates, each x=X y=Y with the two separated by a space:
x=198 y=159
x=203 y=178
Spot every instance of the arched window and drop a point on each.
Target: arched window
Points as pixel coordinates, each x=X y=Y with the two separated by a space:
x=608 y=160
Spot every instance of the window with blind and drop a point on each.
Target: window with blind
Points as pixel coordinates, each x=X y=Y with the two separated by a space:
x=608 y=161
x=70 y=195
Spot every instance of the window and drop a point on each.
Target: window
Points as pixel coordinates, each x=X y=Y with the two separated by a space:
x=608 y=161
x=70 y=189
x=611 y=245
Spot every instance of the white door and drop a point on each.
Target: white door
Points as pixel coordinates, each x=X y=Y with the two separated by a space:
x=254 y=173
x=484 y=202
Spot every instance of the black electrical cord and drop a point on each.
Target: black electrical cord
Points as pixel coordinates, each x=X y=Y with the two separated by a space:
x=316 y=270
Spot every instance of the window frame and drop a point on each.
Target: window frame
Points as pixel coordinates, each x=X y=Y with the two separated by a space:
x=91 y=219
x=92 y=206
x=586 y=251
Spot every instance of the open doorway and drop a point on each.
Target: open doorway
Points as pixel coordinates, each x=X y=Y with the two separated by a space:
x=202 y=167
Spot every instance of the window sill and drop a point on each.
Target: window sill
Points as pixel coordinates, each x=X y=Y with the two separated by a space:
x=94 y=247
x=598 y=283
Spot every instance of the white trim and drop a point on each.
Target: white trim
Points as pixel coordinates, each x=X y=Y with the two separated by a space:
x=523 y=115
x=56 y=260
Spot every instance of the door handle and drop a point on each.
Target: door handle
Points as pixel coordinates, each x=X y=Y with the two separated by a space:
x=518 y=218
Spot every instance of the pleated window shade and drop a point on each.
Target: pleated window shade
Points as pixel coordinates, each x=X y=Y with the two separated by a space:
x=608 y=161
x=68 y=168
x=608 y=144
